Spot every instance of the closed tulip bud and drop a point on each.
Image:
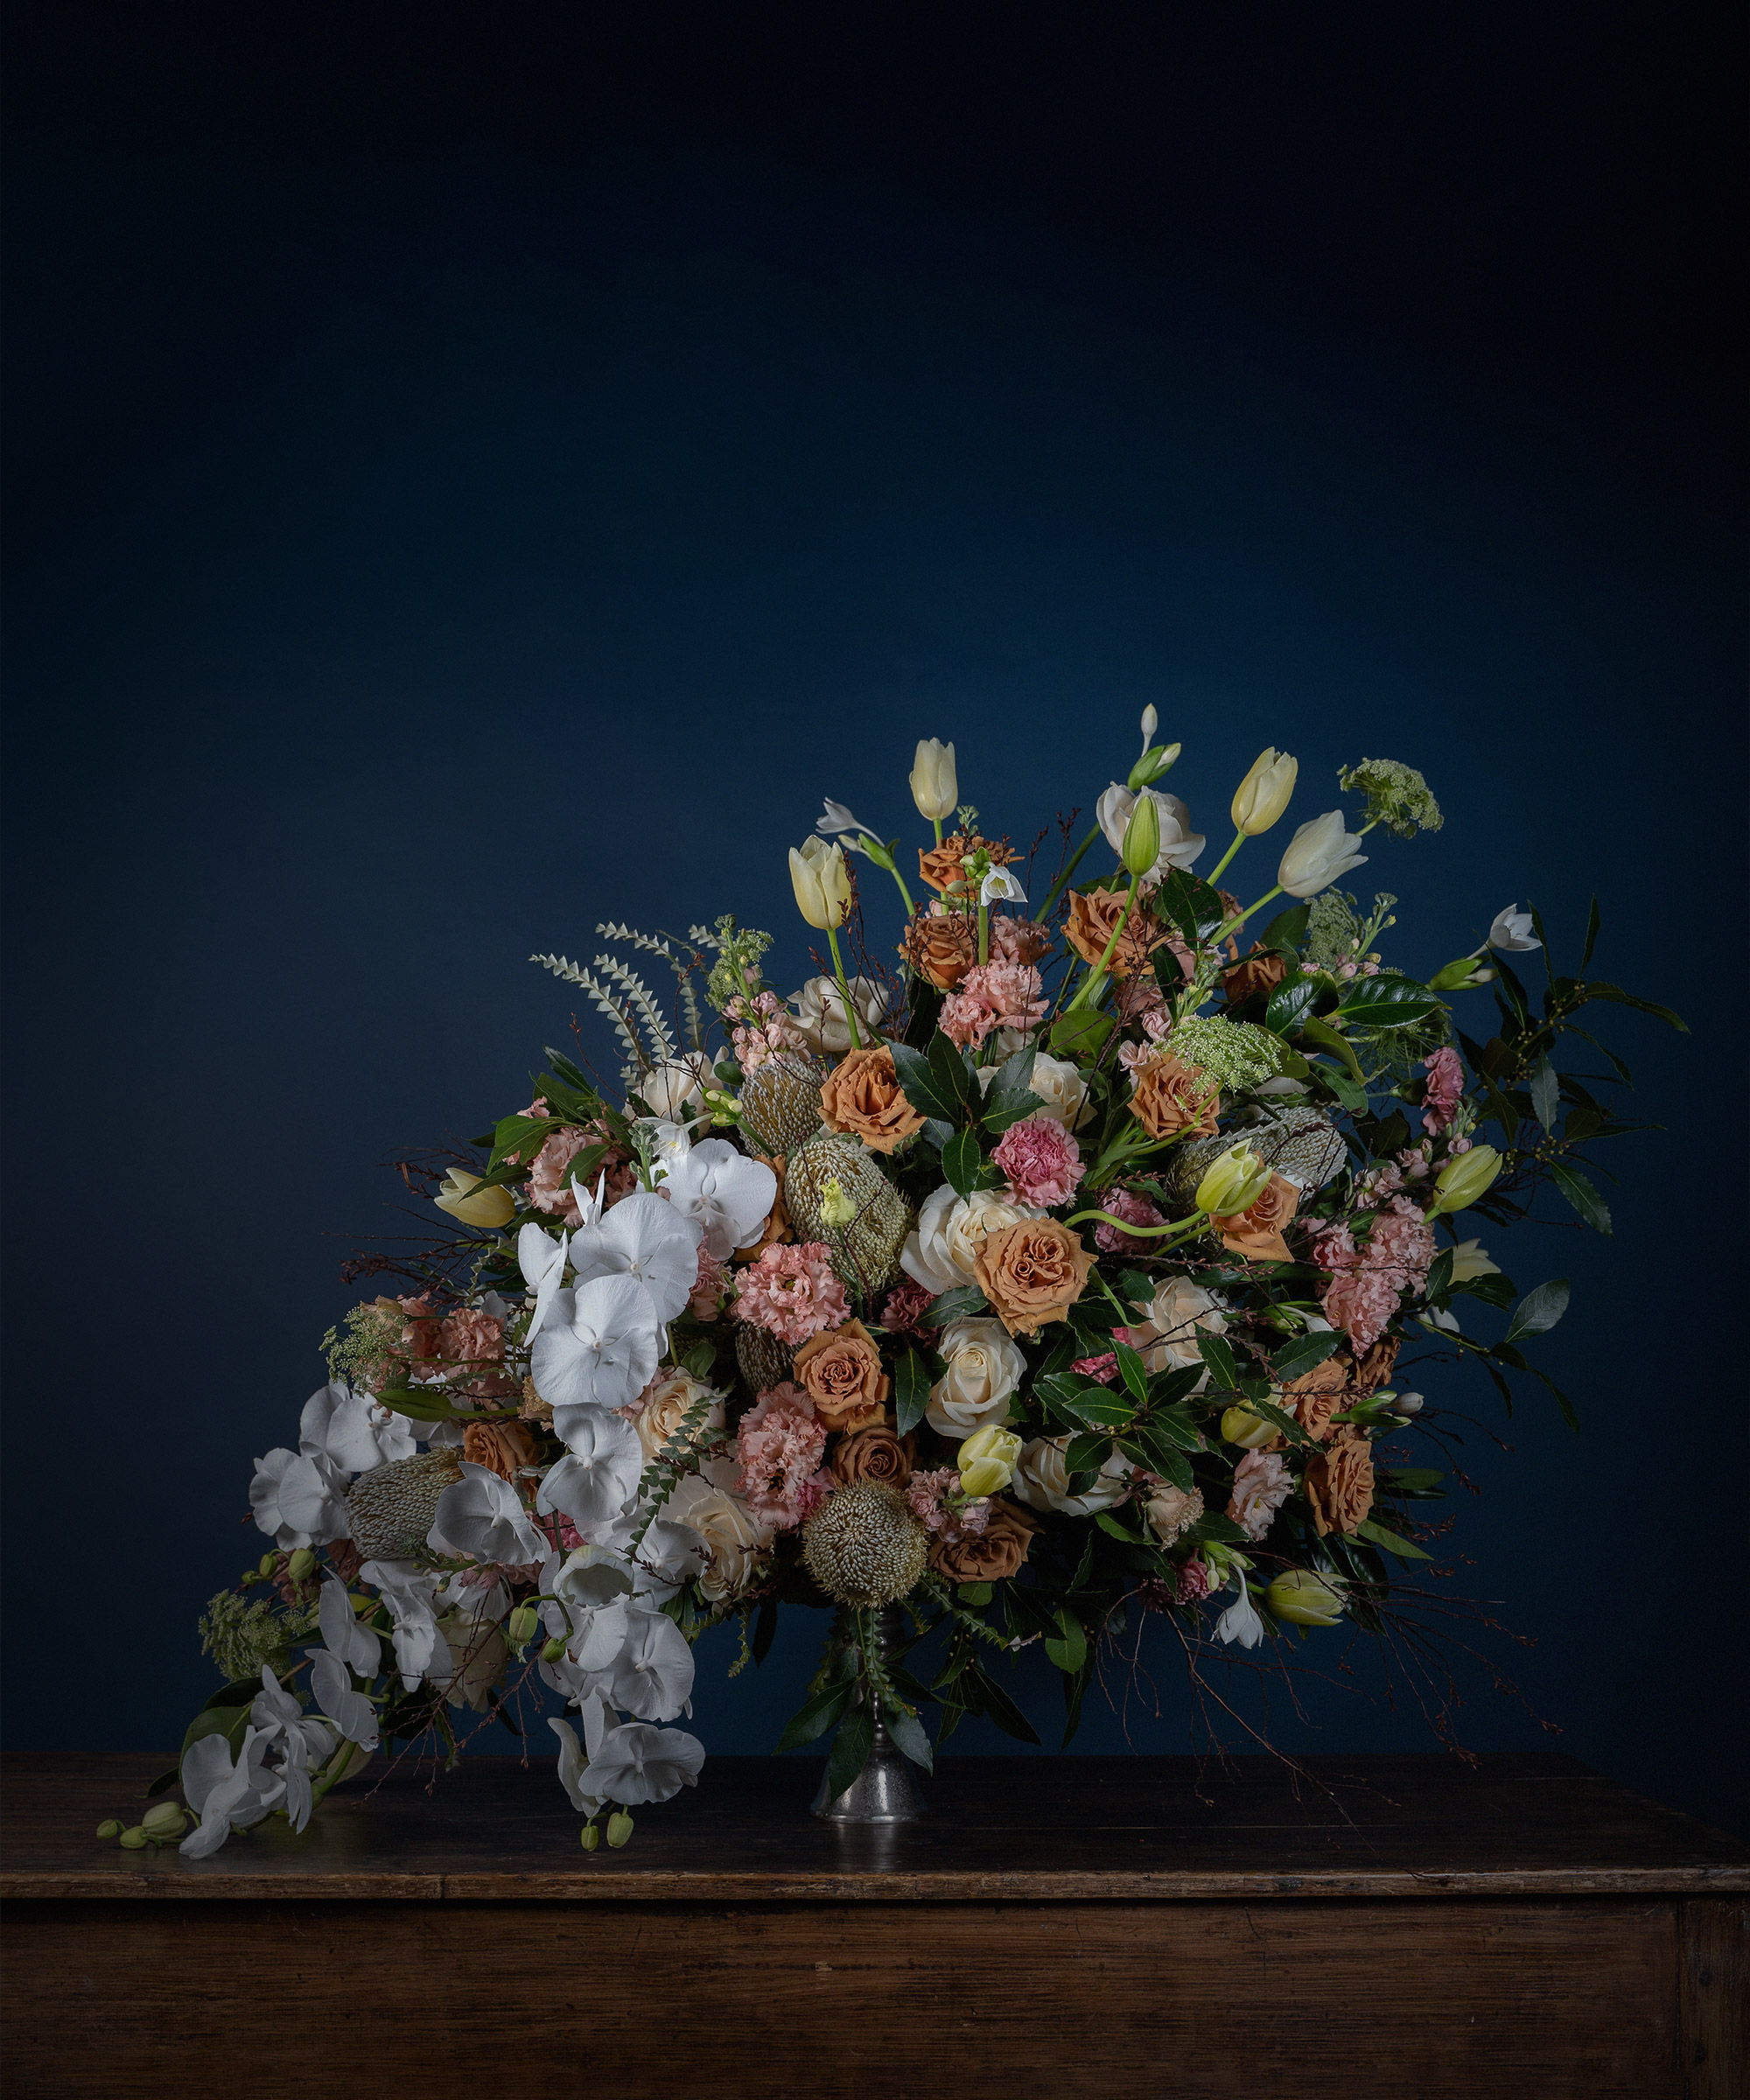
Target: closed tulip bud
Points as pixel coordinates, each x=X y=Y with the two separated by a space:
x=1304 y=1599
x=1320 y=852
x=1142 y=836
x=619 y=1828
x=590 y=1838
x=1462 y=1181
x=986 y=1460
x=1408 y=1404
x=1251 y=1432
x=935 y=786
x=1151 y=722
x=553 y=1649
x=1261 y=798
x=822 y=883
x=300 y=1565
x=112 y=1829
x=1233 y=1183
x=165 y=1822
x=135 y=1840
x=524 y=1621
x=491 y=1208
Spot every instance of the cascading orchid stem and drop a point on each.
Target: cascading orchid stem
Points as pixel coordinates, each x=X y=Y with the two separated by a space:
x=843 y=989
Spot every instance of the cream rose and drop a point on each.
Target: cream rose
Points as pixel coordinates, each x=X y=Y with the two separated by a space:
x=675 y=1091
x=983 y=1368
x=478 y=1654
x=820 y=1013
x=666 y=1403
x=733 y=1537
x=1041 y=1479
x=942 y=1252
x=1168 y=1339
x=1063 y=1090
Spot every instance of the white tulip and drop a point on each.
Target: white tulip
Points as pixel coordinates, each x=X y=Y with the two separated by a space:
x=1263 y=794
x=1320 y=852
x=730 y=1196
x=822 y=883
x=984 y=1367
x=936 y=788
x=1511 y=933
x=600 y=1347
x=482 y=1517
x=637 y=1763
x=644 y=1236
x=1180 y=844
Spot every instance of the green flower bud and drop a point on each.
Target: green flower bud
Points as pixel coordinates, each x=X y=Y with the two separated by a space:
x=164 y=1821
x=619 y=1828
x=1462 y=1181
x=590 y=1838
x=135 y=1840
x=112 y=1829
x=1157 y=759
x=524 y=1623
x=1464 y=974
x=270 y=1562
x=1142 y=836
x=1233 y=1183
x=553 y=1649
x=1304 y=1599
x=302 y=1565
x=1240 y=1426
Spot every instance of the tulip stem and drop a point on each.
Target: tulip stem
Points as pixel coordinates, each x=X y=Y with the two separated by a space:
x=983 y=933
x=936 y=821
x=843 y=989
x=1216 y=939
x=1062 y=882
x=911 y=909
x=1179 y=1226
x=1097 y=975
x=1214 y=874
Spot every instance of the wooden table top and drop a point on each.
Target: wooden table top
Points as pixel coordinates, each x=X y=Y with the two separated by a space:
x=1124 y=1828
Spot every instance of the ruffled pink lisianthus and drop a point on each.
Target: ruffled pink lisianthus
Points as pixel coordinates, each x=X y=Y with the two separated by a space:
x=792 y=1292
x=1444 y=1090
x=1261 y=1487
x=1042 y=1160
x=780 y=1444
x=928 y=1494
x=992 y=996
x=1113 y=1239
x=1018 y=940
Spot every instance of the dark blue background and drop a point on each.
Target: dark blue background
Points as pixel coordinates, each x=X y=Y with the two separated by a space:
x=466 y=484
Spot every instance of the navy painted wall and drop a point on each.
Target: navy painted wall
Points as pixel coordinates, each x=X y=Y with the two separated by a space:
x=463 y=487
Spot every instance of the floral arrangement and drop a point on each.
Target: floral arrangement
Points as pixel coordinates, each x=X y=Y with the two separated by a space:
x=1053 y=1278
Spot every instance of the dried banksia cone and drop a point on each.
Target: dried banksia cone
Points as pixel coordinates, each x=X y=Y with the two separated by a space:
x=762 y=1360
x=864 y=1547
x=833 y=1178
x=780 y=1102
x=1300 y=1144
x=391 y=1507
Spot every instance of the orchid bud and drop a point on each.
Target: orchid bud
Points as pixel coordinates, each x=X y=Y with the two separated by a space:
x=1142 y=836
x=1461 y=1181
x=301 y=1565
x=1304 y=1599
x=590 y=1838
x=822 y=882
x=135 y=1840
x=835 y=1207
x=619 y=1828
x=1234 y=1182
x=986 y=1460
x=1261 y=798
x=270 y=1562
x=491 y=1208
x=112 y=1829
x=936 y=788
x=553 y=1649
x=524 y=1621
x=1320 y=852
x=165 y=1822
x=1251 y=1432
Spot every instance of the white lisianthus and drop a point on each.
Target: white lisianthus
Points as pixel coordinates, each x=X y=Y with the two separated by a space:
x=942 y=1251
x=1511 y=932
x=984 y=1367
x=1178 y=1312
x=1320 y=852
x=1180 y=844
x=644 y=1236
x=600 y=1346
x=820 y=1012
x=1042 y=1480
x=728 y=1194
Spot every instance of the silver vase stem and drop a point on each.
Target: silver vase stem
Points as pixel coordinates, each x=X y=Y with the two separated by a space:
x=886 y=1790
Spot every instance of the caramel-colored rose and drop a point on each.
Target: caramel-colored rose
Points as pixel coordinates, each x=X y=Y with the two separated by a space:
x=1173 y=1100
x=862 y=1097
x=942 y=948
x=991 y=1554
x=840 y=1370
x=943 y=866
x=1093 y=913
x=874 y=1454
x=1262 y=970
x=534 y=1407
x=1375 y=1369
x=499 y=1446
x=1031 y=1273
x=1257 y=1233
x=777 y=1226
x=1340 y=1482
x=1315 y=1397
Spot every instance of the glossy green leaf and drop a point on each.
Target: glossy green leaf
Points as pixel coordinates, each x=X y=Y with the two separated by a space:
x=1538 y=1311
x=1386 y=1002
x=1377 y=1535
x=911 y=1390
x=1581 y=1193
x=811 y=1721
x=1302 y=1354
x=919 y=1084
x=961 y=1161
x=850 y=1752
x=907 y=1731
x=961 y=1303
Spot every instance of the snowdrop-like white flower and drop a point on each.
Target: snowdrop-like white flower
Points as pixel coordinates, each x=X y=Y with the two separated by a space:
x=730 y=1196
x=820 y=1013
x=1511 y=932
x=598 y=1474
x=541 y=1259
x=297 y=1500
x=1320 y=852
x=482 y=1516
x=836 y=818
x=1000 y=886
x=408 y=1592
x=653 y=1675
x=601 y=1343
x=222 y=1792
x=637 y=1763
x=1240 y=1622
x=1180 y=844
x=351 y=1430
x=644 y=1236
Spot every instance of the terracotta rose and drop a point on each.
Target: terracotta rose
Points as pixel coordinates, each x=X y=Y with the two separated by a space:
x=1315 y=1397
x=1257 y=1233
x=499 y=1446
x=1171 y=1098
x=840 y=1370
x=1031 y=1273
x=1093 y=913
x=777 y=1225
x=1375 y=1369
x=874 y=1454
x=991 y=1554
x=943 y=865
x=1262 y=970
x=1340 y=1482
x=862 y=1097
x=942 y=948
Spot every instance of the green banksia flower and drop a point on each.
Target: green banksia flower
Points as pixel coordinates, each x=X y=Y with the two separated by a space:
x=864 y=1547
x=762 y=1360
x=392 y=1507
x=780 y=1104
x=866 y=1251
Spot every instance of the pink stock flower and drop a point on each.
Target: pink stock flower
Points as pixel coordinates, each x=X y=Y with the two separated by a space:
x=1103 y=1367
x=1444 y=1091
x=1113 y=1239
x=763 y=1030
x=1261 y=1487
x=1042 y=1160
x=907 y=1304
x=992 y=996
x=792 y=1292
x=780 y=1444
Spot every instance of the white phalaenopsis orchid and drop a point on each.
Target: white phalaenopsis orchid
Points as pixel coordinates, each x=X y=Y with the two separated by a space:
x=331 y=1686
x=572 y=1760
x=222 y=1792
x=1180 y=844
x=351 y=1430
x=342 y=1635
x=482 y=1516
x=297 y=1500
x=304 y=1740
x=1240 y=1622
x=637 y=1763
x=408 y=1591
x=646 y=1237
x=653 y=1675
x=1511 y=932
x=600 y=1632
x=600 y=1346
x=730 y=1196
x=541 y=1259
x=1000 y=886
x=598 y=1474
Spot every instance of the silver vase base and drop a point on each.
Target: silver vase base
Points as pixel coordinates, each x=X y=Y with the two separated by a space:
x=883 y=1792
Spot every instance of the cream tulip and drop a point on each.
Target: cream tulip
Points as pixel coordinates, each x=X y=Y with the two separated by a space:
x=986 y=1460
x=1320 y=852
x=1261 y=798
x=935 y=786
x=1233 y=1182
x=822 y=883
x=493 y=1207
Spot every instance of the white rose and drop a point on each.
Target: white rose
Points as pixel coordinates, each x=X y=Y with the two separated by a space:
x=669 y=1398
x=1041 y=1479
x=940 y=1252
x=1063 y=1090
x=675 y=1091
x=983 y=1368
x=820 y=1012
x=1168 y=1339
x=733 y=1537
x=1180 y=844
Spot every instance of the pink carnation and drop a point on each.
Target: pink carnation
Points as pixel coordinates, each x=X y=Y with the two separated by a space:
x=1261 y=1487
x=1444 y=1091
x=1361 y=1302
x=780 y=1444
x=709 y=1286
x=1403 y=1243
x=1104 y=1368
x=1192 y=1582
x=1018 y=940
x=550 y=1178
x=1367 y=1280
x=792 y=1292
x=1113 y=1239
x=907 y=1304
x=473 y=1339
x=1042 y=1160
x=992 y=996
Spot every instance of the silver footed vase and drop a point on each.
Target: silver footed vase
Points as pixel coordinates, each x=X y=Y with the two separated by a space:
x=886 y=1789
